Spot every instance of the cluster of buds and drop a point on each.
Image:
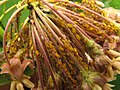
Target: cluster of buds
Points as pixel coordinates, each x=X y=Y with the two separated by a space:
x=71 y=45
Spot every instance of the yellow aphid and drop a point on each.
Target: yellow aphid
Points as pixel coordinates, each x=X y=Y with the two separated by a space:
x=96 y=9
x=104 y=24
x=82 y=14
x=76 y=2
x=70 y=48
x=37 y=52
x=95 y=22
x=55 y=7
x=105 y=14
x=75 y=50
x=32 y=48
x=73 y=30
x=15 y=33
x=75 y=22
x=66 y=45
x=61 y=48
x=70 y=25
x=57 y=55
x=92 y=5
x=86 y=25
x=83 y=0
x=30 y=0
x=50 y=45
x=78 y=37
x=90 y=28
x=51 y=0
x=66 y=0
x=92 y=1
x=68 y=41
x=59 y=62
x=30 y=42
x=87 y=1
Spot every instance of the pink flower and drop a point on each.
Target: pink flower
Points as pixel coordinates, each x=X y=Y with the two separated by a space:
x=16 y=68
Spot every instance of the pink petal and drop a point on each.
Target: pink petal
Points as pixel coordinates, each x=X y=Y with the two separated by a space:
x=15 y=61
x=25 y=63
x=16 y=68
x=5 y=68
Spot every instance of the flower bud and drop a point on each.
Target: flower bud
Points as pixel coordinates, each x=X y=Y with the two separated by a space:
x=19 y=86
x=86 y=86
x=118 y=58
x=50 y=83
x=27 y=83
x=97 y=87
x=13 y=85
x=100 y=80
x=107 y=86
x=99 y=3
x=113 y=53
x=116 y=65
x=110 y=72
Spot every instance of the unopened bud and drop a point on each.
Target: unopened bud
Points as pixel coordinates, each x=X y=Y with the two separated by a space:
x=86 y=86
x=97 y=87
x=19 y=86
x=116 y=65
x=107 y=86
x=110 y=72
x=99 y=3
x=13 y=85
x=113 y=53
x=27 y=83
x=118 y=58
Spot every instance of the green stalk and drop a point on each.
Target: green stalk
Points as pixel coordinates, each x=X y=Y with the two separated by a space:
x=8 y=10
x=1 y=33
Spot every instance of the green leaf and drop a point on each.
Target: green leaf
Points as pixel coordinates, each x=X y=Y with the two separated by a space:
x=28 y=71
x=115 y=4
x=1 y=33
x=4 y=79
x=1 y=49
x=116 y=83
x=112 y=3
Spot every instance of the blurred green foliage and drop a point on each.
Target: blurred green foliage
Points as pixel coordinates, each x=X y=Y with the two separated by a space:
x=112 y=3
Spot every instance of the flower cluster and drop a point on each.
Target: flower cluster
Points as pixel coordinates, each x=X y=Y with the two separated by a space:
x=70 y=45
